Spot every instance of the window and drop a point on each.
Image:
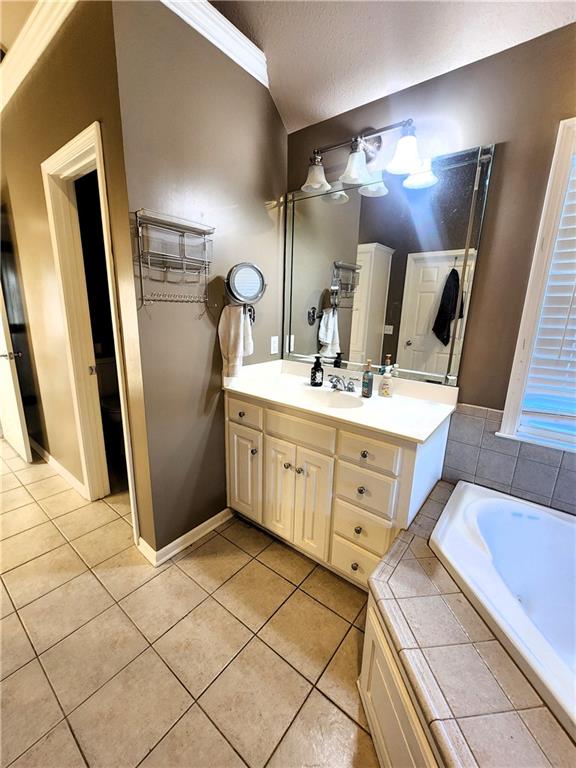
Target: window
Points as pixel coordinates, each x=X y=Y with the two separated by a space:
x=541 y=402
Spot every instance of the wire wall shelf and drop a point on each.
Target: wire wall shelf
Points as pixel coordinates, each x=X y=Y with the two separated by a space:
x=176 y=255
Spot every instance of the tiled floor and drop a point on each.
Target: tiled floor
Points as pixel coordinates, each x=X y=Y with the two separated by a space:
x=238 y=652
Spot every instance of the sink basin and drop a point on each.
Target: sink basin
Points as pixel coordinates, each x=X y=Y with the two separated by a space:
x=332 y=398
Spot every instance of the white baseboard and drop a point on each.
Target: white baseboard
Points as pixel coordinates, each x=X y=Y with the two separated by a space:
x=62 y=471
x=157 y=557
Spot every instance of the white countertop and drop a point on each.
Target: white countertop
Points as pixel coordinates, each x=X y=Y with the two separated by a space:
x=402 y=416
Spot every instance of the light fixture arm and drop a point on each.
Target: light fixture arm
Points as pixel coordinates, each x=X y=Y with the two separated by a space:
x=361 y=139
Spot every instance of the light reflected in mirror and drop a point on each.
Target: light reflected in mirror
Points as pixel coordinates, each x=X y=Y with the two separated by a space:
x=372 y=276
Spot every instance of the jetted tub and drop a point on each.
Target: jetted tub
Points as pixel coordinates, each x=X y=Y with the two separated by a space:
x=516 y=561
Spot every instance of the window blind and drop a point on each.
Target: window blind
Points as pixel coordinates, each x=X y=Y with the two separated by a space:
x=548 y=410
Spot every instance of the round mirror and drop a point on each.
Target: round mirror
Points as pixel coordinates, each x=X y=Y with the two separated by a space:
x=245 y=283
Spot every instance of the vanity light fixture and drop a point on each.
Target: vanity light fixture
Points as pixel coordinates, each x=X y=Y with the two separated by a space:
x=422 y=179
x=376 y=189
x=316 y=179
x=356 y=170
x=406 y=159
x=336 y=198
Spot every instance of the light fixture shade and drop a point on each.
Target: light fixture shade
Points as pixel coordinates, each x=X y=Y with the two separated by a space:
x=406 y=158
x=356 y=171
x=377 y=189
x=336 y=198
x=423 y=178
x=316 y=179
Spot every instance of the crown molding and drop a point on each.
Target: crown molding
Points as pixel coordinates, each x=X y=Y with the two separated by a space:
x=35 y=36
x=212 y=25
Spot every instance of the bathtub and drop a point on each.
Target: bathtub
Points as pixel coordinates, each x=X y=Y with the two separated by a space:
x=516 y=562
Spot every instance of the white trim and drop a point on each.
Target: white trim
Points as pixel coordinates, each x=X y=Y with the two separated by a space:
x=157 y=557
x=34 y=38
x=216 y=28
x=543 y=252
x=62 y=471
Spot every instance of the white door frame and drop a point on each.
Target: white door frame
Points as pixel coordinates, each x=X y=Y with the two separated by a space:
x=78 y=157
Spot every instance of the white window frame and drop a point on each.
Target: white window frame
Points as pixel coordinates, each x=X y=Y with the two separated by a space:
x=543 y=253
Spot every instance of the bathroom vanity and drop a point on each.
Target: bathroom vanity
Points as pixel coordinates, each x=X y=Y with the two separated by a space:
x=333 y=474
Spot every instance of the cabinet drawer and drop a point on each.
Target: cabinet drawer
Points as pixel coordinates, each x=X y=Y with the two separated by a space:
x=372 y=454
x=301 y=431
x=366 y=488
x=355 y=562
x=245 y=413
x=363 y=528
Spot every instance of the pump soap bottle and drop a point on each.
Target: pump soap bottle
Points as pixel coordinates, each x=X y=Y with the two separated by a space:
x=317 y=373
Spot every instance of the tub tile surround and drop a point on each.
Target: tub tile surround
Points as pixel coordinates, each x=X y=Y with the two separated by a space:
x=113 y=662
x=535 y=473
x=481 y=709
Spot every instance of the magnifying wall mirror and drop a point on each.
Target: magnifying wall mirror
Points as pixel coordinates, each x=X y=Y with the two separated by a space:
x=245 y=283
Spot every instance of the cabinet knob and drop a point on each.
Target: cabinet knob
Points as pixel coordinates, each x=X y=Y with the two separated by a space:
x=299 y=470
x=254 y=451
x=361 y=490
x=364 y=454
x=354 y=566
x=358 y=530
x=241 y=414
x=287 y=465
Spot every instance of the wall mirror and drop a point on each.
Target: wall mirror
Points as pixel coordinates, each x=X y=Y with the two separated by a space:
x=245 y=283
x=374 y=276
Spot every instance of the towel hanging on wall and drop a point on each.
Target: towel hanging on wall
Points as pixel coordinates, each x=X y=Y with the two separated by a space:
x=447 y=309
x=328 y=334
x=235 y=334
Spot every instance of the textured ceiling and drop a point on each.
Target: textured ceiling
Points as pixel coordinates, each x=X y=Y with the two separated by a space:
x=327 y=57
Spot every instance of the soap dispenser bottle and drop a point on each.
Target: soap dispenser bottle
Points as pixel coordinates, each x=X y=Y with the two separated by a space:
x=367 y=380
x=317 y=373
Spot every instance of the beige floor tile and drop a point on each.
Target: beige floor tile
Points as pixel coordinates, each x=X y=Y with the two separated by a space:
x=62 y=611
x=227 y=523
x=360 y=620
x=82 y=662
x=213 y=563
x=6 y=607
x=21 y=519
x=322 y=736
x=551 y=738
x=202 y=644
x=253 y=701
x=34 y=473
x=15 y=648
x=512 y=681
x=336 y=593
x=55 y=750
x=85 y=519
x=9 y=481
x=161 y=602
x=29 y=544
x=39 y=576
x=48 y=487
x=193 y=741
x=431 y=621
x=120 y=503
x=502 y=739
x=28 y=710
x=126 y=571
x=195 y=545
x=120 y=724
x=339 y=680
x=15 y=498
x=287 y=562
x=247 y=537
x=104 y=542
x=253 y=594
x=410 y=580
x=16 y=463
x=4 y=468
x=62 y=503
x=305 y=633
x=7 y=452
x=466 y=682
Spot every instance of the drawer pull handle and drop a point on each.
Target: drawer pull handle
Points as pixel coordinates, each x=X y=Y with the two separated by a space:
x=354 y=566
x=358 y=530
x=287 y=465
x=299 y=471
x=364 y=454
x=254 y=451
x=241 y=414
x=361 y=490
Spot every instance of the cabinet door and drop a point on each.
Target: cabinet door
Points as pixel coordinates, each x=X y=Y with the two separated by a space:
x=313 y=501
x=279 y=481
x=245 y=471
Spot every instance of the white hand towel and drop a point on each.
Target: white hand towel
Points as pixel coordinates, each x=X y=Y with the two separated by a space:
x=247 y=335
x=231 y=335
x=328 y=334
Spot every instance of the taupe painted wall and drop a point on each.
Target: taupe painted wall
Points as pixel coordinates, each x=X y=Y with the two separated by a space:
x=73 y=85
x=516 y=100
x=200 y=135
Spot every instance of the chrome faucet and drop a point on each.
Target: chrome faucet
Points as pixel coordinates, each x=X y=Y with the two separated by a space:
x=341 y=384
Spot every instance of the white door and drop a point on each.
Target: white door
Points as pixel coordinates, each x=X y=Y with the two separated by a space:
x=245 y=471
x=279 y=484
x=313 y=502
x=11 y=408
x=418 y=348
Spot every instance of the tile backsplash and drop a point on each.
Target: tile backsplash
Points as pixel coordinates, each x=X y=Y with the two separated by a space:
x=475 y=454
